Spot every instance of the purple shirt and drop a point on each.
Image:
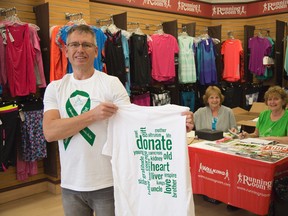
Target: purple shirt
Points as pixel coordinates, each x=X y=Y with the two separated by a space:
x=259 y=47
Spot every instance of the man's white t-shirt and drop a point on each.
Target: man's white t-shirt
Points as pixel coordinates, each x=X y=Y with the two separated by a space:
x=83 y=166
x=150 y=162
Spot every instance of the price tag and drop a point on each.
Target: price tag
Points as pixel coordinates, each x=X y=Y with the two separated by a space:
x=21 y=114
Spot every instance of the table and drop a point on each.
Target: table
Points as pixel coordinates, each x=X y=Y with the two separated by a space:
x=234 y=179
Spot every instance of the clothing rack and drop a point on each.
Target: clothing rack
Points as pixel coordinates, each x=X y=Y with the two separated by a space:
x=203 y=31
x=134 y=23
x=109 y=21
x=157 y=27
x=135 y=28
x=10 y=11
x=182 y=29
x=68 y=16
x=263 y=30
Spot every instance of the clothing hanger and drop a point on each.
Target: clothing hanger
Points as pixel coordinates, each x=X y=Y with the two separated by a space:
x=159 y=31
x=259 y=34
x=75 y=19
x=184 y=31
x=183 y=34
x=216 y=40
x=138 y=31
x=230 y=35
x=80 y=22
x=112 y=28
x=14 y=20
x=204 y=34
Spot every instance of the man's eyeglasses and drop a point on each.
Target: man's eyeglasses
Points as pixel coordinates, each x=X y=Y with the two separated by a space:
x=85 y=45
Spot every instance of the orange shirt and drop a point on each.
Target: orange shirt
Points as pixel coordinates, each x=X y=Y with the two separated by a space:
x=58 y=59
x=231 y=49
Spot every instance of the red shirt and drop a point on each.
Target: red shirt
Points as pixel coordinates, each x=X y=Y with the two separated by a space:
x=20 y=61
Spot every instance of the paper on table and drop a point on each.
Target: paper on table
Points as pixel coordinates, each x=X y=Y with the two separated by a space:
x=257 y=141
x=191 y=134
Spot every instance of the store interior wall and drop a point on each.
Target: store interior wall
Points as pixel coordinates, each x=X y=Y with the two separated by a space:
x=148 y=22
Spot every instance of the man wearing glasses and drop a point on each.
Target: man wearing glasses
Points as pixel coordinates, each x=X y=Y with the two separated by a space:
x=76 y=111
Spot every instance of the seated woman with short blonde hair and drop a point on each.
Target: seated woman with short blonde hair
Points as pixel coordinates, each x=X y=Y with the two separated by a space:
x=273 y=123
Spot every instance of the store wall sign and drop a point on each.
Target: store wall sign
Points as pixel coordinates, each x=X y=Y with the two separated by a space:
x=159 y=3
x=275 y=6
x=189 y=7
x=207 y=10
x=229 y=10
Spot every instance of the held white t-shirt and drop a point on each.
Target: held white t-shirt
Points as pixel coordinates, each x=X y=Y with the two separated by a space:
x=150 y=162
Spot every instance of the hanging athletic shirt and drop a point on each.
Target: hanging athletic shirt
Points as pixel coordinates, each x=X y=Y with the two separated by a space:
x=114 y=56
x=188 y=99
x=58 y=59
x=259 y=47
x=140 y=68
x=38 y=62
x=3 y=74
x=141 y=100
x=20 y=61
x=268 y=73
x=150 y=161
x=159 y=99
x=231 y=49
x=9 y=135
x=125 y=47
x=186 y=67
x=206 y=62
x=163 y=48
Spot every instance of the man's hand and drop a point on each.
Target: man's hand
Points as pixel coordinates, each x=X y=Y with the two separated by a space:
x=189 y=120
x=104 y=110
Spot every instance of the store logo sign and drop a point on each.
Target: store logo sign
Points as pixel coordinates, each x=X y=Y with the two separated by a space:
x=231 y=10
x=254 y=182
x=272 y=6
x=213 y=171
x=159 y=3
x=182 y=6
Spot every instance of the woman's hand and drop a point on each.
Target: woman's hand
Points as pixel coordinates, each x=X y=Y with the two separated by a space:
x=243 y=135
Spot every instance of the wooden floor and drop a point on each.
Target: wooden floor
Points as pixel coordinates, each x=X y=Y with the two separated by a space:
x=47 y=204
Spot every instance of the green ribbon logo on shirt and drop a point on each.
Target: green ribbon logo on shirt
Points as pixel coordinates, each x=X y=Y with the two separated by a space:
x=87 y=134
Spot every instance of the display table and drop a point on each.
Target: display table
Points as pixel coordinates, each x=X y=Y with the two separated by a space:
x=233 y=177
